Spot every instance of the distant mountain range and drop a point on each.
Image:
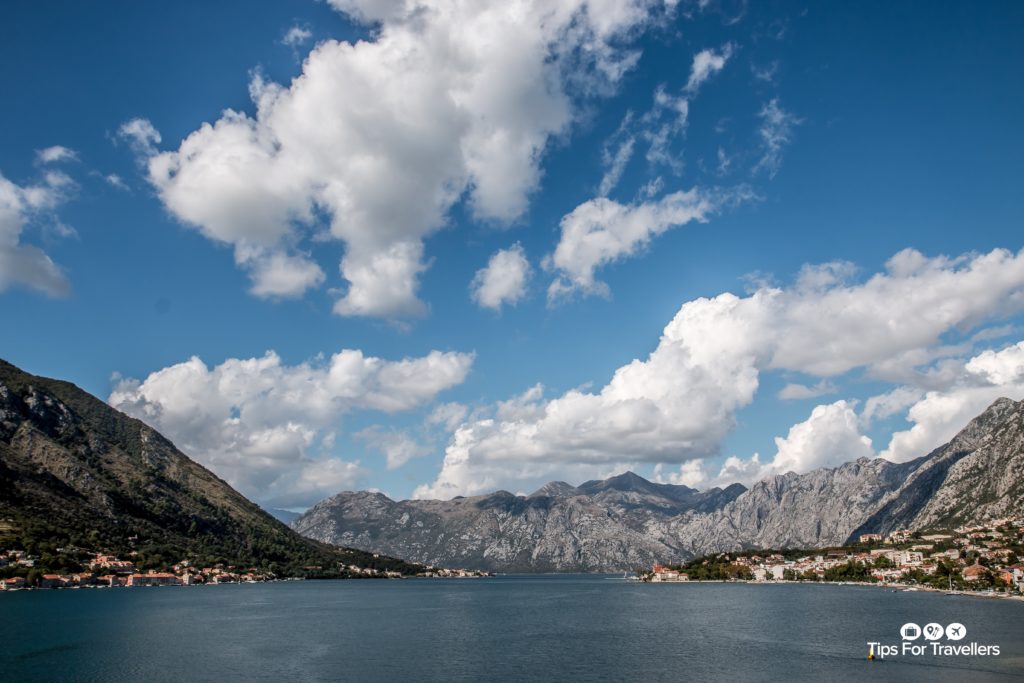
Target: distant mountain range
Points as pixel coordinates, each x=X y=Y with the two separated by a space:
x=626 y=521
x=286 y=516
x=74 y=471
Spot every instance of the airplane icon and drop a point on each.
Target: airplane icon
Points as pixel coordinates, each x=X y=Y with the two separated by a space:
x=955 y=631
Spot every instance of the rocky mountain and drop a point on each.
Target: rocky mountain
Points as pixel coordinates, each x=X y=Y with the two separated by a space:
x=626 y=521
x=597 y=525
x=74 y=471
x=978 y=475
x=822 y=507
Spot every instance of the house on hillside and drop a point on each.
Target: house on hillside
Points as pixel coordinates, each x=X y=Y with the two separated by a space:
x=974 y=573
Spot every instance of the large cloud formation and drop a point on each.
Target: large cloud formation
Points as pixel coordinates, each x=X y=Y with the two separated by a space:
x=940 y=413
x=448 y=100
x=678 y=403
x=830 y=436
x=260 y=423
x=834 y=433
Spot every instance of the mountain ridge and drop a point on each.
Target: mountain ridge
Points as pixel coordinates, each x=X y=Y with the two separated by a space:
x=625 y=521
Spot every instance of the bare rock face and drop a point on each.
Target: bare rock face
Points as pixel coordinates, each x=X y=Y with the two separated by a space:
x=626 y=522
x=978 y=476
x=820 y=508
x=600 y=525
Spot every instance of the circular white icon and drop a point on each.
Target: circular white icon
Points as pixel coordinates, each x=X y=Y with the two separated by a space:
x=956 y=631
x=933 y=631
x=910 y=631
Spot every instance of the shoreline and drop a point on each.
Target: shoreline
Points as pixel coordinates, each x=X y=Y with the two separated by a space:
x=895 y=587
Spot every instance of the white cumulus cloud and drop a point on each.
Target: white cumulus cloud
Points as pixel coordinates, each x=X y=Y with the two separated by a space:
x=833 y=433
x=939 y=414
x=257 y=422
x=602 y=231
x=504 y=279
x=679 y=402
x=280 y=275
x=829 y=437
x=381 y=137
x=690 y=473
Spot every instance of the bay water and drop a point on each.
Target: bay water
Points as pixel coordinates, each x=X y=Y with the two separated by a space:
x=517 y=628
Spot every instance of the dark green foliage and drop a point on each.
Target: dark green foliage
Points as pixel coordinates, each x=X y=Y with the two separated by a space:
x=851 y=571
x=716 y=568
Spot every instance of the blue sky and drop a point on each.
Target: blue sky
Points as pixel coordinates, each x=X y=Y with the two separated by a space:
x=824 y=134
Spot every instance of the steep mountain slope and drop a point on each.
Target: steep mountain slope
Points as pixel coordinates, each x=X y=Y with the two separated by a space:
x=75 y=471
x=627 y=521
x=822 y=507
x=831 y=506
x=978 y=475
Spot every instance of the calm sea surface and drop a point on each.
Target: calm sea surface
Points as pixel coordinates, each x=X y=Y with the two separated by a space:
x=561 y=628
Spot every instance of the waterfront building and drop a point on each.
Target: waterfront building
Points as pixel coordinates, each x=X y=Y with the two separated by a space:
x=153 y=579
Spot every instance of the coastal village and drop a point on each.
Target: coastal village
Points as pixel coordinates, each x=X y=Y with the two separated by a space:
x=986 y=558
x=109 y=571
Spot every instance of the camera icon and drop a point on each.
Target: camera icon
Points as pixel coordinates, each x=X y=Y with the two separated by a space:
x=910 y=631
